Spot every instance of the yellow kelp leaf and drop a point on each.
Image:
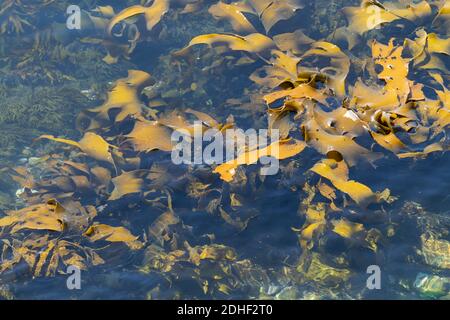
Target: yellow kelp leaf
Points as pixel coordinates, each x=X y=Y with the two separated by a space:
x=192 y=6
x=327 y=191
x=23 y=177
x=152 y=14
x=279 y=150
x=442 y=19
x=147 y=136
x=91 y=144
x=339 y=64
x=395 y=68
x=372 y=14
x=340 y=121
x=101 y=175
x=253 y=43
x=106 y=11
x=123 y=96
x=270 y=76
x=436 y=112
x=105 y=232
x=346 y=35
x=368 y=16
x=272 y=11
x=204 y=118
x=347 y=229
x=285 y=61
x=295 y=42
x=234 y=14
x=127 y=183
x=428 y=50
x=314 y=226
x=371 y=99
x=444 y=94
x=324 y=142
x=438 y=45
x=160 y=230
x=389 y=141
x=209 y=252
x=43 y=257
x=49 y=216
x=337 y=174
x=434 y=147
x=301 y=91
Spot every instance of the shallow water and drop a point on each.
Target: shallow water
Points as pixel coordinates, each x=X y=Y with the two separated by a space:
x=63 y=74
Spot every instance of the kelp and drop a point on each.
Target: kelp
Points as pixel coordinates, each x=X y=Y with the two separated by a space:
x=152 y=14
x=269 y=12
x=339 y=111
x=372 y=14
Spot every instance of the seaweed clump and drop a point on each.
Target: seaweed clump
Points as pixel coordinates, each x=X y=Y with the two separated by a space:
x=338 y=110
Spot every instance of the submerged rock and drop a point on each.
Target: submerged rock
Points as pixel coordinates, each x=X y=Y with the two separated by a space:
x=432 y=285
x=436 y=252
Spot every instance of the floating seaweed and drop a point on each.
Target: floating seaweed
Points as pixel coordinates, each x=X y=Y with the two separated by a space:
x=339 y=109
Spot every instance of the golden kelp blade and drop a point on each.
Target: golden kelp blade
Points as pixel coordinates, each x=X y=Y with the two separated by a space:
x=411 y=11
x=337 y=173
x=395 y=68
x=127 y=183
x=49 y=216
x=153 y=14
x=442 y=19
x=389 y=142
x=279 y=150
x=91 y=144
x=105 y=232
x=253 y=43
x=347 y=229
x=324 y=142
x=372 y=14
x=303 y=91
x=434 y=147
x=428 y=50
x=339 y=64
x=234 y=13
x=285 y=61
x=149 y=136
x=367 y=17
x=273 y=11
x=123 y=96
x=106 y=11
x=296 y=42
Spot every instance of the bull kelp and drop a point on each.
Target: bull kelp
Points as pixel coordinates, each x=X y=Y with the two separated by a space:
x=354 y=92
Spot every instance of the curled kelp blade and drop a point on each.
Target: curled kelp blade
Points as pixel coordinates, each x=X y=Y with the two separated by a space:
x=254 y=43
x=48 y=216
x=92 y=144
x=123 y=96
x=108 y=233
x=152 y=14
x=339 y=64
x=371 y=14
x=337 y=174
x=127 y=183
x=234 y=13
x=271 y=12
x=279 y=150
x=148 y=136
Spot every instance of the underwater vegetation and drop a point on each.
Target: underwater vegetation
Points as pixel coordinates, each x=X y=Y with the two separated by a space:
x=365 y=90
